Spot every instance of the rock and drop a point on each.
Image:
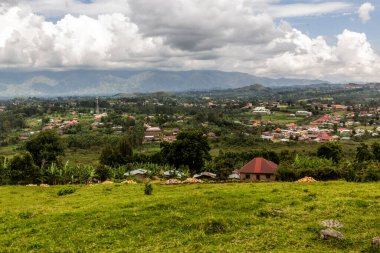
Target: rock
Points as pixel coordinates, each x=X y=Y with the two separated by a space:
x=44 y=185
x=376 y=241
x=107 y=182
x=331 y=224
x=306 y=180
x=129 y=182
x=192 y=181
x=330 y=233
x=173 y=181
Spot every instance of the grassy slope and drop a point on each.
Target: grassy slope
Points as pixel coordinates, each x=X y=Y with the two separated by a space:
x=189 y=218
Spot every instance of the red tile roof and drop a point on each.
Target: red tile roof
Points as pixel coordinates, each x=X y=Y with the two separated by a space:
x=259 y=165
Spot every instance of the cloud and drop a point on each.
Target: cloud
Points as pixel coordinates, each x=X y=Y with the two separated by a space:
x=312 y=9
x=181 y=35
x=28 y=40
x=203 y=25
x=59 y=8
x=364 y=11
x=352 y=58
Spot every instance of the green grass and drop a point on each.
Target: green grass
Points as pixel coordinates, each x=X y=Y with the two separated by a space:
x=189 y=218
x=281 y=118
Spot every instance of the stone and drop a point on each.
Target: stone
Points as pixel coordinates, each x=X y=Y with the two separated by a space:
x=330 y=233
x=331 y=224
x=376 y=241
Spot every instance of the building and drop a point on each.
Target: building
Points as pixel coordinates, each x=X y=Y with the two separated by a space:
x=153 y=131
x=259 y=169
x=304 y=113
x=261 y=111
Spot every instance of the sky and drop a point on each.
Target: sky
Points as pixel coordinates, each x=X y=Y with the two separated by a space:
x=337 y=41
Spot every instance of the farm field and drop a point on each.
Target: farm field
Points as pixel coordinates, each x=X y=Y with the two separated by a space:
x=233 y=217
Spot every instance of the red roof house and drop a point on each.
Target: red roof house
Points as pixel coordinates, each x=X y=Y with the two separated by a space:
x=259 y=169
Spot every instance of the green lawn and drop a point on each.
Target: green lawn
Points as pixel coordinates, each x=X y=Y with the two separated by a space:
x=281 y=118
x=189 y=218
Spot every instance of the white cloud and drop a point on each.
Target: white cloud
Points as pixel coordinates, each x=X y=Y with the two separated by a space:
x=180 y=35
x=109 y=40
x=352 y=58
x=311 y=9
x=59 y=8
x=364 y=11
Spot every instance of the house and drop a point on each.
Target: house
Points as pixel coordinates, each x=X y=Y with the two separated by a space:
x=304 y=113
x=139 y=174
x=207 y=175
x=261 y=111
x=259 y=169
x=153 y=131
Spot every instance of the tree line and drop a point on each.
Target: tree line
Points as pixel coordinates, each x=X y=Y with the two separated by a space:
x=42 y=161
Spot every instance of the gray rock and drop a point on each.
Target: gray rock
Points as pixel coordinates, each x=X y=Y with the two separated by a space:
x=331 y=224
x=330 y=233
x=376 y=241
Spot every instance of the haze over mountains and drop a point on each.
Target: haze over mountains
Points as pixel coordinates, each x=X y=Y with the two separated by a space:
x=108 y=82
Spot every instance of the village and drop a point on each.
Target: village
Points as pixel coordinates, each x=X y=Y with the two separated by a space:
x=275 y=121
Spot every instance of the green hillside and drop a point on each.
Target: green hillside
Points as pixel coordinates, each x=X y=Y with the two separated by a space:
x=246 y=217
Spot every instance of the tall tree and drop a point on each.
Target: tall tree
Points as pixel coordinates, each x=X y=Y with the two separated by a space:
x=190 y=149
x=23 y=170
x=376 y=150
x=331 y=150
x=363 y=153
x=117 y=155
x=45 y=147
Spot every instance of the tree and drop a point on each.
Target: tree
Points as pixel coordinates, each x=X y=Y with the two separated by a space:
x=45 y=148
x=117 y=155
x=363 y=153
x=376 y=150
x=190 y=149
x=331 y=150
x=22 y=169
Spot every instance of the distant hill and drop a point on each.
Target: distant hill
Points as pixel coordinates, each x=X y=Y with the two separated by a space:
x=110 y=82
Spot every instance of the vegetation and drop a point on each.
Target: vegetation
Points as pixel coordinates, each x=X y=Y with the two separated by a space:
x=266 y=217
x=45 y=148
x=190 y=149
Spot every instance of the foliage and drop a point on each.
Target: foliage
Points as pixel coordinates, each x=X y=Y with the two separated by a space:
x=66 y=190
x=363 y=153
x=148 y=189
x=5 y=171
x=190 y=149
x=117 y=155
x=331 y=150
x=367 y=171
x=23 y=170
x=318 y=168
x=103 y=172
x=376 y=151
x=45 y=147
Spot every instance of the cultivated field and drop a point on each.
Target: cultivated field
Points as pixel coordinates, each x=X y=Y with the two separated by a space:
x=240 y=217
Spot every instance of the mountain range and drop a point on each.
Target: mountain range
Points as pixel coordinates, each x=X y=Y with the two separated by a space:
x=107 y=82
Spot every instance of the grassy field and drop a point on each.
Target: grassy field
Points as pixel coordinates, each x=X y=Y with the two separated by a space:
x=189 y=218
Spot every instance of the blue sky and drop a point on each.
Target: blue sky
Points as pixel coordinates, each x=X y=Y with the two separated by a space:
x=331 y=40
x=331 y=24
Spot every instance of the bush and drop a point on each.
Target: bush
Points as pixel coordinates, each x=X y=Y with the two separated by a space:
x=148 y=189
x=103 y=172
x=66 y=190
x=286 y=174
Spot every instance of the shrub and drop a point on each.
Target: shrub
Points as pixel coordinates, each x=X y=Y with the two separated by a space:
x=103 y=172
x=148 y=189
x=66 y=190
